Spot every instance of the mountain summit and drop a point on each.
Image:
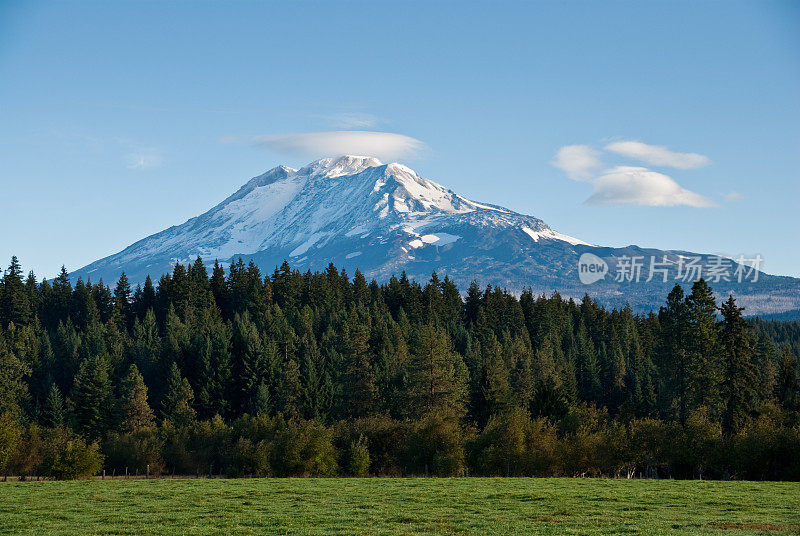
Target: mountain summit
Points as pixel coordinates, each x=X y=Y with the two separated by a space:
x=357 y=212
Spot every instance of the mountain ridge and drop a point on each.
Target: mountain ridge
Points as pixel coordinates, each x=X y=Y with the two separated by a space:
x=358 y=212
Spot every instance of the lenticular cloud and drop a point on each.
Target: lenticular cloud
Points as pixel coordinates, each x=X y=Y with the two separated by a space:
x=384 y=145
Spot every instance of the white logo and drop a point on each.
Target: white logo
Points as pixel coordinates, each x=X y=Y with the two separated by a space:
x=591 y=268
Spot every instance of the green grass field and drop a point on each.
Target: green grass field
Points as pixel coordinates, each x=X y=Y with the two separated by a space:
x=399 y=506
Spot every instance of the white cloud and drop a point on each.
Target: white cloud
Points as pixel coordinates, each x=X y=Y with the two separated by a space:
x=627 y=185
x=385 y=145
x=579 y=162
x=658 y=155
x=733 y=196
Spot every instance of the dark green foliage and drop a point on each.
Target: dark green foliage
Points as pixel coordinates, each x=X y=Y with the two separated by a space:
x=134 y=411
x=53 y=408
x=176 y=406
x=15 y=306
x=93 y=398
x=67 y=455
x=358 y=458
x=314 y=374
x=304 y=448
x=740 y=377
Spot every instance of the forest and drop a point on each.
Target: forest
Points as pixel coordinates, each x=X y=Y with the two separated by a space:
x=238 y=373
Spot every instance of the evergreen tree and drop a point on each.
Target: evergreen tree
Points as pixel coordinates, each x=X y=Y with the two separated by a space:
x=92 y=397
x=705 y=362
x=53 y=409
x=123 y=309
x=435 y=380
x=147 y=298
x=359 y=392
x=740 y=379
x=588 y=367
x=13 y=389
x=291 y=388
x=674 y=354
x=549 y=398
x=390 y=367
x=57 y=306
x=789 y=381
x=135 y=413
x=15 y=304
x=494 y=389
x=254 y=360
x=262 y=401
x=176 y=406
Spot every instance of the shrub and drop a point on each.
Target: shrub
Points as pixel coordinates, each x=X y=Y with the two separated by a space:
x=435 y=447
x=10 y=433
x=67 y=456
x=358 y=458
x=304 y=448
x=135 y=450
x=250 y=459
x=28 y=457
x=384 y=438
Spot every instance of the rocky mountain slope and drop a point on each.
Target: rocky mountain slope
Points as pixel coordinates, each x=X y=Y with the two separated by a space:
x=384 y=219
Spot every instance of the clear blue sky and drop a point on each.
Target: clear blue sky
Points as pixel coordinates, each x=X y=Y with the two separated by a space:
x=120 y=119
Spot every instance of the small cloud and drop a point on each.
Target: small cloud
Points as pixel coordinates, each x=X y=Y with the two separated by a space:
x=658 y=155
x=627 y=185
x=579 y=162
x=142 y=160
x=353 y=120
x=732 y=196
x=385 y=145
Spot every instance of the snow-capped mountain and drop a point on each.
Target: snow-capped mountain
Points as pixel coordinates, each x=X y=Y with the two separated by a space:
x=357 y=212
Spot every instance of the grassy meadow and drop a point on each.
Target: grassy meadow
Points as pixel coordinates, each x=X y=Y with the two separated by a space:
x=399 y=506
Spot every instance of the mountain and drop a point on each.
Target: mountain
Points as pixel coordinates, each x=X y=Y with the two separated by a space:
x=357 y=212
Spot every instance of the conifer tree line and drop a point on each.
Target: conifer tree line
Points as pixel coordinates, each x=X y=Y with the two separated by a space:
x=240 y=374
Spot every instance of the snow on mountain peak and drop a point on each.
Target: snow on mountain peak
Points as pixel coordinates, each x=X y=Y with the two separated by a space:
x=383 y=219
x=327 y=205
x=342 y=165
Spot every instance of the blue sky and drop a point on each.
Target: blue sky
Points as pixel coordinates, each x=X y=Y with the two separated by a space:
x=120 y=119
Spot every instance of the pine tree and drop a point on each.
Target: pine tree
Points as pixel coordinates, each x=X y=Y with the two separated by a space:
x=674 y=354
x=176 y=406
x=495 y=392
x=219 y=289
x=766 y=361
x=549 y=396
x=252 y=359
x=740 y=379
x=15 y=305
x=789 y=381
x=359 y=392
x=13 y=389
x=58 y=305
x=147 y=298
x=522 y=379
x=705 y=362
x=123 y=309
x=262 y=401
x=435 y=379
x=135 y=413
x=53 y=409
x=211 y=365
x=588 y=367
x=291 y=388
x=92 y=397
x=146 y=350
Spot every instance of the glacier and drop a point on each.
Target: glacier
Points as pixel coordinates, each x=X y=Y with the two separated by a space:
x=359 y=213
